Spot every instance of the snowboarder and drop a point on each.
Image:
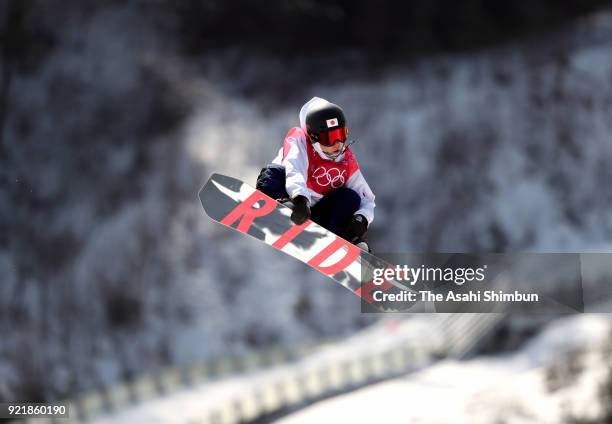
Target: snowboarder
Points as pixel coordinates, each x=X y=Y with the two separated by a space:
x=318 y=172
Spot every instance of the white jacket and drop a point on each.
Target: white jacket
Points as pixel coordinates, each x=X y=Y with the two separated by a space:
x=312 y=174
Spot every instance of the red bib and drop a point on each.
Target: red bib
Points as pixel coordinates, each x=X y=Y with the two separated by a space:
x=326 y=175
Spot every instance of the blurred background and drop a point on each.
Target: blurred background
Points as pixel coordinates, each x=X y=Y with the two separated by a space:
x=481 y=126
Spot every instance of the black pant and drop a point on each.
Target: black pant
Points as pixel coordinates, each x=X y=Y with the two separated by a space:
x=334 y=211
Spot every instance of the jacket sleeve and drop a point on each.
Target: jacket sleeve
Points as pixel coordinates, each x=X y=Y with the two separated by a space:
x=295 y=161
x=358 y=183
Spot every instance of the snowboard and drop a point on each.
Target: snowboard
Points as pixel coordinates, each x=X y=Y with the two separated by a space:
x=241 y=207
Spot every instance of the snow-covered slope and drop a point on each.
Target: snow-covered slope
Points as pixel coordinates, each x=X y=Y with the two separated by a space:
x=513 y=388
x=536 y=384
x=203 y=401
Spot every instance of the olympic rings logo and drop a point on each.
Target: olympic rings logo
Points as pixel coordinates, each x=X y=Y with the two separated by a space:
x=329 y=177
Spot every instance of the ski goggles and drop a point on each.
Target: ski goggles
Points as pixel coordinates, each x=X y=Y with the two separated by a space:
x=330 y=138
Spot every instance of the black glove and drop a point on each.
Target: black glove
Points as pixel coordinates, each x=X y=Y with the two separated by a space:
x=356 y=228
x=301 y=210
